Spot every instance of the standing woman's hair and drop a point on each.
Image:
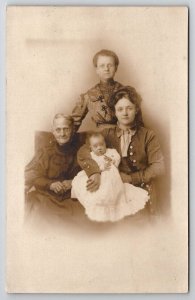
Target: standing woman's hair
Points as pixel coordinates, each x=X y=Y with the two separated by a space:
x=131 y=94
x=105 y=52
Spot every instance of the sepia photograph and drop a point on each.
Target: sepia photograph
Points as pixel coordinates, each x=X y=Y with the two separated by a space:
x=97 y=149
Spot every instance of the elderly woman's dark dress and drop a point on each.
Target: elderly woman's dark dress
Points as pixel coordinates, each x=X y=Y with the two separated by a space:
x=51 y=163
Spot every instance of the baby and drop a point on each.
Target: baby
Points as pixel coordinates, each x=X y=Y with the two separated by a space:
x=114 y=199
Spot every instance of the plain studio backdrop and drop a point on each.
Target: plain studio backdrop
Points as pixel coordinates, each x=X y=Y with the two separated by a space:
x=49 y=63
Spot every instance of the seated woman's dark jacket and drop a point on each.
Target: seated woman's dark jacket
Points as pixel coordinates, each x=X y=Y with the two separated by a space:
x=144 y=160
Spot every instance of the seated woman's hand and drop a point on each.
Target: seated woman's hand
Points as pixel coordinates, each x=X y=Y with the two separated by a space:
x=93 y=182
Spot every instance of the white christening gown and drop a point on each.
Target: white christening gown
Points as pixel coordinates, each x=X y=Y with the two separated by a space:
x=114 y=199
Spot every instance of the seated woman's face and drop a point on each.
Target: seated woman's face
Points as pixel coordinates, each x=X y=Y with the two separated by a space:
x=125 y=111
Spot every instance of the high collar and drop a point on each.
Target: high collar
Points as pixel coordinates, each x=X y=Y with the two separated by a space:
x=65 y=147
x=132 y=130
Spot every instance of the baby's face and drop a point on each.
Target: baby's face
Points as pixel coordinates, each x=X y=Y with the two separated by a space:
x=98 y=145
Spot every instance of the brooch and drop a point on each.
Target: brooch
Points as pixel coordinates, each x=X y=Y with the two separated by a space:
x=105 y=109
x=100 y=98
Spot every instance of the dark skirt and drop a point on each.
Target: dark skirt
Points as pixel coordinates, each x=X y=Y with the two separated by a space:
x=128 y=168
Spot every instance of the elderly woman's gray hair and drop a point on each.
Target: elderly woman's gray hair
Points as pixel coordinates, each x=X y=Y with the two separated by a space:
x=68 y=118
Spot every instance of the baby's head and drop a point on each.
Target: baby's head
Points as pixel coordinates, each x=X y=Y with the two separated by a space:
x=96 y=142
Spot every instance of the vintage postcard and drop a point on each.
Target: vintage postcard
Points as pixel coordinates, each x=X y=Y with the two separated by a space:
x=97 y=149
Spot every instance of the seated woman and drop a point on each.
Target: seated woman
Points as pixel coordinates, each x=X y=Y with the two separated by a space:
x=141 y=157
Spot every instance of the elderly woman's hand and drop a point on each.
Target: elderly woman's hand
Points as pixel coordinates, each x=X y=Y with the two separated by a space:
x=56 y=187
x=67 y=185
x=125 y=177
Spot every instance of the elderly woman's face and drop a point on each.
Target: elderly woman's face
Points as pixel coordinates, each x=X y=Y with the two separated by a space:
x=125 y=111
x=62 y=131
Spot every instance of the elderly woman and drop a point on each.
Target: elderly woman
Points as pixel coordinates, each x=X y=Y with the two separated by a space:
x=141 y=156
x=53 y=167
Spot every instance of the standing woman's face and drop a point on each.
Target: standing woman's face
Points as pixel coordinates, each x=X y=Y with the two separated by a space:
x=125 y=111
